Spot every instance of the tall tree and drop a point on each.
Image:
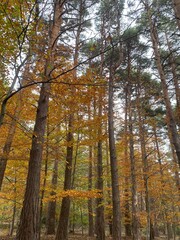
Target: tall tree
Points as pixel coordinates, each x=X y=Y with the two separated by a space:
x=113 y=163
x=29 y=219
x=100 y=227
x=171 y=123
x=62 y=230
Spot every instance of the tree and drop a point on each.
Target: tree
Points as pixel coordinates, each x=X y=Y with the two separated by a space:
x=29 y=220
x=170 y=115
x=114 y=166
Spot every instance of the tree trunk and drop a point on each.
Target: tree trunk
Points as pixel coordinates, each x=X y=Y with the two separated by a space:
x=82 y=227
x=100 y=227
x=162 y=177
x=62 y=231
x=170 y=116
x=127 y=213
x=135 y=220
x=90 y=202
x=173 y=66
x=114 y=165
x=51 y=215
x=149 y=236
x=176 y=174
x=29 y=220
x=109 y=217
x=44 y=180
x=14 y=210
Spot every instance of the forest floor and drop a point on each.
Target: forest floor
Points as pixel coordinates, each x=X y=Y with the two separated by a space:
x=73 y=237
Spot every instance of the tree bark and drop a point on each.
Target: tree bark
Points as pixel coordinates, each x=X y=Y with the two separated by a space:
x=170 y=116
x=114 y=165
x=149 y=236
x=109 y=217
x=14 y=209
x=90 y=201
x=135 y=220
x=100 y=225
x=127 y=213
x=51 y=215
x=173 y=66
x=29 y=220
x=44 y=179
x=130 y=108
x=62 y=230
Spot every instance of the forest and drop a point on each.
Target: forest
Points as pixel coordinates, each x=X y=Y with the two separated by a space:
x=89 y=119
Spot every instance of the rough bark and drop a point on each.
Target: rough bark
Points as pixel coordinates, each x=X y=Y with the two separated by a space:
x=29 y=220
x=116 y=233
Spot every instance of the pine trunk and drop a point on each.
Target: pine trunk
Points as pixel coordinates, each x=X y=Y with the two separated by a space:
x=173 y=66
x=130 y=108
x=100 y=227
x=145 y=164
x=135 y=220
x=127 y=213
x=116 y=222
x=29 y=220
x=44 y=180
